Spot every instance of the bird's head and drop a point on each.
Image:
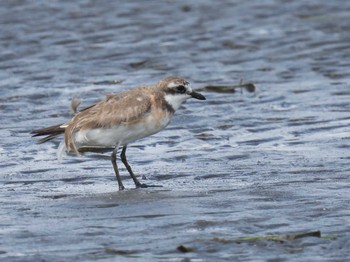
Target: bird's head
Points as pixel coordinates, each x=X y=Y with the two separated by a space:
x=177 y=90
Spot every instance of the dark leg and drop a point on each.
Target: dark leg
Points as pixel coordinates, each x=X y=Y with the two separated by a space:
x=114 y=163
x=125 y=162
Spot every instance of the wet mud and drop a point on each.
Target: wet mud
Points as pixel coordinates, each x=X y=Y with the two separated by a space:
x=241 y=165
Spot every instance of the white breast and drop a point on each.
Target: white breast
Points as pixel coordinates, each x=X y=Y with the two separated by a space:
x=123 y=134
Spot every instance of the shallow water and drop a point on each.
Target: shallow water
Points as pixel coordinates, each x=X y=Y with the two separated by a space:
x=237 y=165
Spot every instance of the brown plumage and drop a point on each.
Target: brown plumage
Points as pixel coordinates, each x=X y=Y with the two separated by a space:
x=122 y=118
x=50 y=133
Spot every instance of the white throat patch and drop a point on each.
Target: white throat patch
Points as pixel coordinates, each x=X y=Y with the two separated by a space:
x=175 y=100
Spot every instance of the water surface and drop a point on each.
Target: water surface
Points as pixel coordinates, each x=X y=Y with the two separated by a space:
x=237 y=165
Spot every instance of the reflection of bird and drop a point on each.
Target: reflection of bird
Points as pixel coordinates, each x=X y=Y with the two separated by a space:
x=121 y=119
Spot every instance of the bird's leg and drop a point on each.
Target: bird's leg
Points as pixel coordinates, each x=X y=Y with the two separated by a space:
x=114 y=163
x=125 y=162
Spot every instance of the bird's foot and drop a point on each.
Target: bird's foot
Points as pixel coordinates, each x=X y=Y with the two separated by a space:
x=139 y=185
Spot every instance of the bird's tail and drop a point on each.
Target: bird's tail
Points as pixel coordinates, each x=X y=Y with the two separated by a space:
x=50 y=132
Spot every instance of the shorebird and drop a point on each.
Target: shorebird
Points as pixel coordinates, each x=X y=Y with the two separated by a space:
x=121 y=119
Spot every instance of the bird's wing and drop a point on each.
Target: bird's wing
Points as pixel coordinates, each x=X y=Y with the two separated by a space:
x=123 y=108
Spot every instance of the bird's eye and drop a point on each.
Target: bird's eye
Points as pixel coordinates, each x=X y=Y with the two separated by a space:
x=181 y=89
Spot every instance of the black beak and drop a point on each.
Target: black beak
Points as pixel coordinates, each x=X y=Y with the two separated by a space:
x=197 y=95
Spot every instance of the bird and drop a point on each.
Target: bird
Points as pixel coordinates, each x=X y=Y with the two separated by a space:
x=121 y=119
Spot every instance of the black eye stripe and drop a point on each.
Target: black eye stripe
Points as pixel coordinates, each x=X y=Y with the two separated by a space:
x=181 y=88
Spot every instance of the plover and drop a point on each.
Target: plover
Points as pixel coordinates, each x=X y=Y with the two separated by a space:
x=121 y=119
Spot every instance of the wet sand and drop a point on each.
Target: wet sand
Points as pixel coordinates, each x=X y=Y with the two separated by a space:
x=272 y=162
